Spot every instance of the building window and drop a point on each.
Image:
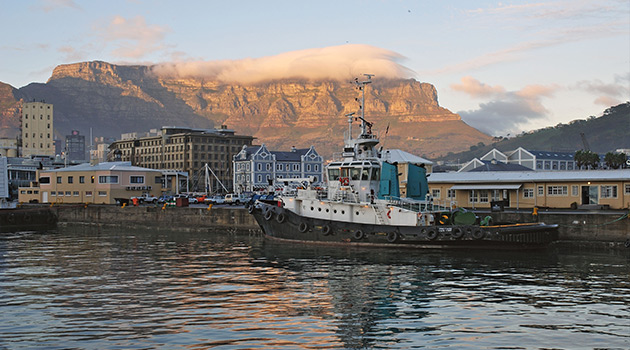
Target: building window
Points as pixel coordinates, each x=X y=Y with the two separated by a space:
x=259 y=166
x=557 y=190
x=626 y=189
x=574 y=190
x=528 y=193
x=308 y=167
x=58 y=179
x=259 y=178
x=53 y=193
x=88 y=193
x=75 y=193
x=108 y=179
x=68 y=193
x=541 y=191
x=316 y=167
x=102 y=193
x=136 y=179
x=483 y=196
x=472 y=197
x=44 y=180
x=70 y=179
x=81 y=179
x=608 y=191
x=436 y=193
x=450 y=194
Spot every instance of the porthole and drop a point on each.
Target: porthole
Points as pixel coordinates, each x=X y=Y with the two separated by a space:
x=327 y=210
x=335 y=211
x=319 y=209
x=357 y=213
x=312 y=208
x=343 y=212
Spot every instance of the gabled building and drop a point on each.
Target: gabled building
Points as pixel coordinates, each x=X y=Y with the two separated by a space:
x=533 y=160
x=256 y=167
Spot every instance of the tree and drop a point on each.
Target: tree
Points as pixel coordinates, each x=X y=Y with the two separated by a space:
x=586 y=158
x=615 y=160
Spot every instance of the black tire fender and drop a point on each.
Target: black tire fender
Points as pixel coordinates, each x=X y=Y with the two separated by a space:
x=432 y=233
x=303 y=227
x=457 y=233
x=269 y=214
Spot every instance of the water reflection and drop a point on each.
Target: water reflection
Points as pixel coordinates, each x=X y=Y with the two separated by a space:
x=102 y=289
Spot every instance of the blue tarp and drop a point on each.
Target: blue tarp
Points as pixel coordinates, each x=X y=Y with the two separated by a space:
x=417 y=185
x=389 y=181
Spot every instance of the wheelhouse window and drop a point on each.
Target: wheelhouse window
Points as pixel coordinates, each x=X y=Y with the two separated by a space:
x=333 y=174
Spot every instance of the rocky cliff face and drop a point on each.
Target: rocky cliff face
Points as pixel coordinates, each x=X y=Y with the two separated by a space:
x=116 y=99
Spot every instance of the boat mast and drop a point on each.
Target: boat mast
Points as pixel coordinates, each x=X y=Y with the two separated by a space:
x=362 y=85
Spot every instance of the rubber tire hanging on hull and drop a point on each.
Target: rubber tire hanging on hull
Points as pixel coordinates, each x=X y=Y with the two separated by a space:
x=432 y=233
x=358 y=235
x=457 y=233
x=281 y=218
x=392 y=237
x=478 y=234
x=326 y=230
x=268 y=214
x=303 y=227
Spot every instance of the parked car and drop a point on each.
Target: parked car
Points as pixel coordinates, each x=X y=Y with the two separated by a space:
x=216 y=199
x=146 y=198
x=165 y=198
x=236 y=199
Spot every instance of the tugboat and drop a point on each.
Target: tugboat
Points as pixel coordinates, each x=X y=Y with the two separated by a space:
x=361 y=206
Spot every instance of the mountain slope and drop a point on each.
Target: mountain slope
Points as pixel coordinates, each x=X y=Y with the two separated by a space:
x=114 y=99
x=606 y=133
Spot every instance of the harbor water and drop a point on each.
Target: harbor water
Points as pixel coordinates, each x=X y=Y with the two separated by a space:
x=132 y=289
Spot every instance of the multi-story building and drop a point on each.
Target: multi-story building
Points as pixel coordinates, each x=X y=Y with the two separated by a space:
x=255 y=167
x=85 y=183
x=37 y=129
x=8 y=147
x=75 y=147
x=186 y=150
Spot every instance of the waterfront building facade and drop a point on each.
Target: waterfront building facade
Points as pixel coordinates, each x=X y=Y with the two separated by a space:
x=529 y=189
x=37 y=129
x=256 y=168
x=85 y=183
x=186 y=150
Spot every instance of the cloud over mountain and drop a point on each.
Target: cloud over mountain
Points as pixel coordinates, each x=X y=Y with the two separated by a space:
x=336 y=62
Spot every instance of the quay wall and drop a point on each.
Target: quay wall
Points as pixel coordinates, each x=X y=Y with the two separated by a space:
x=601 y=227
x=154 y=217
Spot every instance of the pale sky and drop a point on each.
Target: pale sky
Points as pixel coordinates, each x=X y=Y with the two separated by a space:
x=505 y=67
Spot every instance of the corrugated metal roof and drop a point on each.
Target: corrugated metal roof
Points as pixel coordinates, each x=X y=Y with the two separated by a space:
x=106 y=166
x=400 y=156
x=486 y=187
x=530 y=176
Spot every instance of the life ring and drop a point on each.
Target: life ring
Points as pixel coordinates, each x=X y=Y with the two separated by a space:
x=444 y=219
x=392 y=237
x=432 y=233
x=250 y=208
x=281 y=218
x=268 y=214
x=344 y=181
x=478 y=234
x=303 y=227
x=457 y=233
x=358 y=235
x=326 y=230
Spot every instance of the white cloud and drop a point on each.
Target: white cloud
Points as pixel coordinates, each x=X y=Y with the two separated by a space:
x=133 y=38
x=337 y=62
x=507 y=111
x=607 y=94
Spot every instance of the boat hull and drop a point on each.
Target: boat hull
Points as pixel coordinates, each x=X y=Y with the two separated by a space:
x=279 y=223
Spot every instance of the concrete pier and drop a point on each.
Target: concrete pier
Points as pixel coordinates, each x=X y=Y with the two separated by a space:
x=584 y=228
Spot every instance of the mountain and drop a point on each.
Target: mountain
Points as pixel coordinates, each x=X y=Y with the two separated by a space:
x=606 y=133
x=114 y=99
